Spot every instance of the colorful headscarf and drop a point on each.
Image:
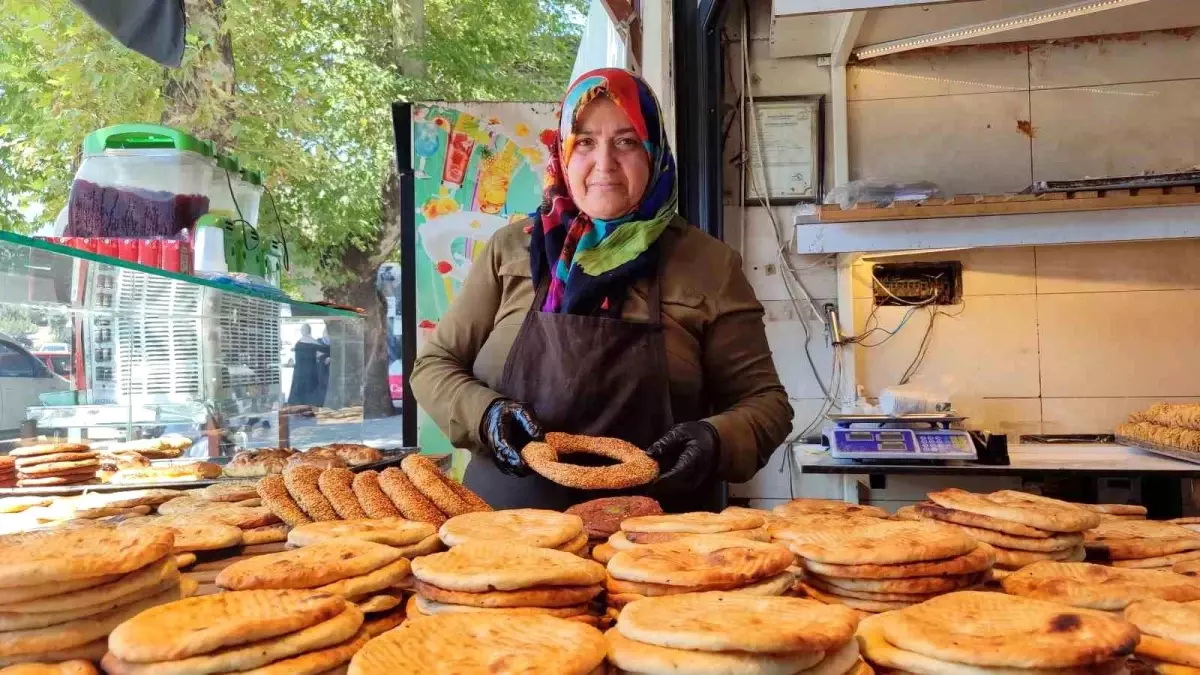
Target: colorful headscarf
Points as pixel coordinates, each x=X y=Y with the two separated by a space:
x=593 y=262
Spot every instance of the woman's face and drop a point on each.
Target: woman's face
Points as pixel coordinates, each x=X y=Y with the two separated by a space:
x=609 y=167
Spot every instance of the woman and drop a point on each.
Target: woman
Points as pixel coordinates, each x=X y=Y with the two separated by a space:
x=605 y=314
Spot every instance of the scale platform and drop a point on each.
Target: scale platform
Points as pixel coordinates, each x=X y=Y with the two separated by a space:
x=893 y=438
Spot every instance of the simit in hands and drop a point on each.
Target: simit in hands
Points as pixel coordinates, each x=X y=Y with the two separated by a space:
x=508 y=426
x=686 y=456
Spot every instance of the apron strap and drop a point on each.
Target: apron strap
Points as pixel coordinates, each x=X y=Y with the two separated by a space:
x=539 y=298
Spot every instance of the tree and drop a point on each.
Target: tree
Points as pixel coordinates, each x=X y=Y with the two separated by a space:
x=301 y=88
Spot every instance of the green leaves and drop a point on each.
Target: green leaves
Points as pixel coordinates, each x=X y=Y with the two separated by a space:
x=310 y=105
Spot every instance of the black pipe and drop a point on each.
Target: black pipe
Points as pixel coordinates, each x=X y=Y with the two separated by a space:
x=402 y=132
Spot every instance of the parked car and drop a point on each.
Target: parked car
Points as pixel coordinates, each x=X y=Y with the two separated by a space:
x=56 y=348
x=58 y=362
x=23 y=379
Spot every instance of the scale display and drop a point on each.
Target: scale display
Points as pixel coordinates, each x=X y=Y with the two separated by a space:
x=933 y=444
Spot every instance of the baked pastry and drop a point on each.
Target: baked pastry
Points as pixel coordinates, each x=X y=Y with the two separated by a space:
x=602 y=517
x=633 y=466
x=446 y=494
x=257 y=463
x=167 y=472
x=354 y=454
x=322 y=458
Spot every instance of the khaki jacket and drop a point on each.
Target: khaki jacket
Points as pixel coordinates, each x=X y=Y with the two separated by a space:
x=713 y=328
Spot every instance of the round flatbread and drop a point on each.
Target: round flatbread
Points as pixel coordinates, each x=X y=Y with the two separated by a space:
x=183 y=560
x=883 y=542
x=827 y=507
x=1098 y=587
x=337 y=485
x=648 y=590
x=1158 y=561
x=48 y=449
x=883 y=596
x=979 y=559
x=908 y=586
x=378 y=624
x=639 y=657
x=412 y=504
x=737 y=622
x=701 y=561
x=1015 y=560
x=776 y=585
x=151 y=576
x=390 y=531
x=478 y=643
x=860 y=604
x=1116 y=509
x=56 y=468
x=699 y=522
x=334 y=631
x=309 y=567
x=230 y=491
x=1048 y=543
x=193 y=533
x=1019 y=507
x=1136 y=539
x=482 y=566
x=1168 y=651
x=992 y=629
x=273 y=491
x=427 y=546
x=268 y=534
x=303 y=484
x=23 y=463
x=19 y=621
x=602 y=553
x=18 y=594
x=206 y=623
x=372 y=604
x=47 y=556
x=383 y=578
x=432 y=607
x=543 y=596
x=602 y=517
x=534 y=527
x=578 y=545
x=72 y=667
x=371 y=497
x=977 y=520
x=881 y=653
x=128 y=499
x=318 y=662
x=842 y=661
x=1179 y=621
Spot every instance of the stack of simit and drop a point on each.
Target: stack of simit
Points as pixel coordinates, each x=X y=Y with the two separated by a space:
x=504 y=577
x=1170 y=643
x=698 y=564
x=48 y=464
x=976 y=632
x=1145 y=544
x=875 y=565
x=264 y=632
x=734 y=633
x=63 y=591
x=532 y=527
x=366 y=573
x=1023 y=528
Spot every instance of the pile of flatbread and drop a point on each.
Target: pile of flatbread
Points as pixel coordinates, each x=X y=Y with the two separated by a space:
x=457 y=644
x=735 y=633
x=982 y=632
x=269 y=632
x=533 y=527
x=1023 y=528
x=658 y=529
x=1099 y=587
x=504 y=577
x=368 y=574
x=875 y=565
x=1170 y=642
x=698 y=564
x=1142 y=544
x=63 y=591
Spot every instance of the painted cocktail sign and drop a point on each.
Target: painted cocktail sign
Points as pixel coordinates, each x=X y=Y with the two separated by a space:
x=478 y=166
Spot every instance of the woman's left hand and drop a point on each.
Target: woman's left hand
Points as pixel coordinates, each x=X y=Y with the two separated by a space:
x=686 y=456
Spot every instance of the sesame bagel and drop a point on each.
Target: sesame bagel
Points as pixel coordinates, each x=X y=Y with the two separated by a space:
x=633 y=468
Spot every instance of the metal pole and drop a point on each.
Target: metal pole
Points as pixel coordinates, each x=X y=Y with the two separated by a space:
x=402 y=131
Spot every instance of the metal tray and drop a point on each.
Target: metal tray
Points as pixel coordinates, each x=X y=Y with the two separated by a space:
x=1165 y=450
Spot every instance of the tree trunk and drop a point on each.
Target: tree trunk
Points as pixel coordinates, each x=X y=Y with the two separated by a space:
x=408 y=33
x=199 y=93
x=361 y=291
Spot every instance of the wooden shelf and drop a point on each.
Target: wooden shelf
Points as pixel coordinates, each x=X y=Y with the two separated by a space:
x=1004 y=220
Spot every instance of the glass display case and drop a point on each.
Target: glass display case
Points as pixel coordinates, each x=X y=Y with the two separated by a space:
x=95 y=348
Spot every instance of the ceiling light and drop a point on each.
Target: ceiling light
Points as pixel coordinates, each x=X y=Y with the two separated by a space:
x=1044 y=16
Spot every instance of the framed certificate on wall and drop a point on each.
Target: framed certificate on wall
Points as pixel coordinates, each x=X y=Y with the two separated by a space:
x=785 y=150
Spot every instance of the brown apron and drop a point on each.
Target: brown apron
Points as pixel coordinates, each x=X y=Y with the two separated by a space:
x=592 y=375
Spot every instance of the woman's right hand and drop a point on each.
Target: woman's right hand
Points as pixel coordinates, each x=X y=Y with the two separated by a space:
x=508 y=426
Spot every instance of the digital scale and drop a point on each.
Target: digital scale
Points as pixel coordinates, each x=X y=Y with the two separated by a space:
x=886 y=437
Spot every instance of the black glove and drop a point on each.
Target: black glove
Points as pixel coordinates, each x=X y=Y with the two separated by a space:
x=508 y=426
x=686 y=456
